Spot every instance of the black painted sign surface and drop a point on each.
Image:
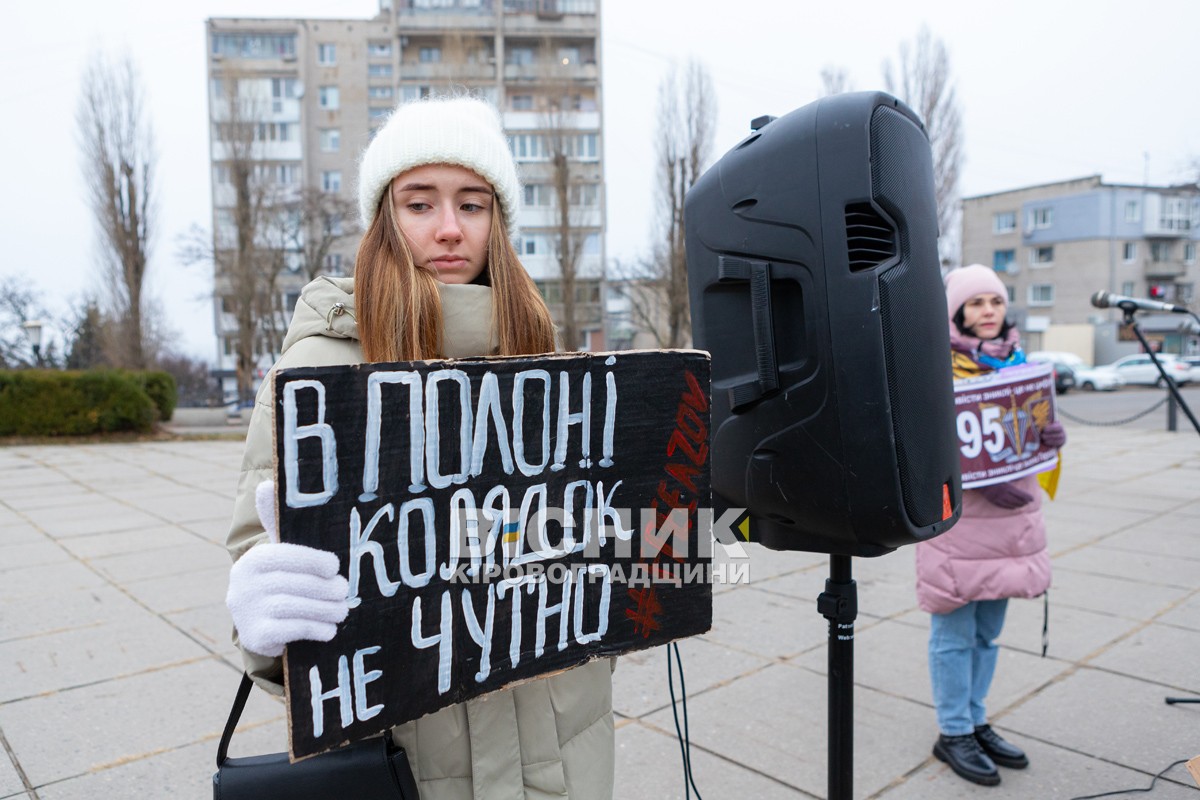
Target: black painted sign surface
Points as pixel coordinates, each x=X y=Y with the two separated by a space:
x=497 y=520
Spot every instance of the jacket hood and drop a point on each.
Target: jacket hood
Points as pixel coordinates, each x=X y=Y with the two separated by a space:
x=326 y=308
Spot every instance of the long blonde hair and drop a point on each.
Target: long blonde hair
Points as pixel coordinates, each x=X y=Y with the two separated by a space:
x=399 y=310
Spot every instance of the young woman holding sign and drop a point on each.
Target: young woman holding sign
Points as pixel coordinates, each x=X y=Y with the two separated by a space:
x=997 y=550
x=436 y=276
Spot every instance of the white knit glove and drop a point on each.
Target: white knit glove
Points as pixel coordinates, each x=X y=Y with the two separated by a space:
x=280 y=593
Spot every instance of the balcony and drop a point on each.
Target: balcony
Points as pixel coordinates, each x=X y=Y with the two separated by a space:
x=552 y=72
x=447 y=72
x=1159 y=270
x=539 y=121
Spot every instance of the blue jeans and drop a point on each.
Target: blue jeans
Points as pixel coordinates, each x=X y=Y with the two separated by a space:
x=962 y=661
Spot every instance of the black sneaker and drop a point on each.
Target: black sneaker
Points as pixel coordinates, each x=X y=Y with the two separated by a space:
x=966 y=757
x=1001 y=752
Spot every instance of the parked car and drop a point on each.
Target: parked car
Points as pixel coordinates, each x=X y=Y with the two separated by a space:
x=1064 y=374
x=1140 y=369
x=1193 y=363
x=1087 y=377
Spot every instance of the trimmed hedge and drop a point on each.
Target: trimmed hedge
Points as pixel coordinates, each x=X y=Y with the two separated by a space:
x=160 y=387
x=55 y=403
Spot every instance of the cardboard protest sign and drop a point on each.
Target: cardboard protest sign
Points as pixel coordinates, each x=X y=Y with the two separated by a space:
x=1000 y=417
x=497 y=520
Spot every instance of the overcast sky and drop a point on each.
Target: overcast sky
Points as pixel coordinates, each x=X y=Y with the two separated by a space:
x=1048 y=90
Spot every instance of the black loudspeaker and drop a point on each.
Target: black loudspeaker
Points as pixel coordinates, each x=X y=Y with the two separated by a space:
x=814 y=282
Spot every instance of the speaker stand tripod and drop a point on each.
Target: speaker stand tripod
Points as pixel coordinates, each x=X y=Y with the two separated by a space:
x=839 y=604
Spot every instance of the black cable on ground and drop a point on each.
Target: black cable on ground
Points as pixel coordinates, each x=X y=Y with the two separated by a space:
x=685 y=743
x=1133 y=791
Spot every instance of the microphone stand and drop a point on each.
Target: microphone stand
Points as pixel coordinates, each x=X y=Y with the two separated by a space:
x=1167 y=379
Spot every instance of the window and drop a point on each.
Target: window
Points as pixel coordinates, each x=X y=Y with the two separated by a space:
x=527 y=147
x=1184 y=292
x=291 y=300
x=591 y=247
x=520 y=56
x=379 y=49
x=1004 y=222
x=1133 y=211
x=1040 y=218
x=568 y=56
x=326 y=55
x=283 y=89
x=583 y=147
x=244 y=45
x=331 y=140
x=1002 y=260
x=416 y=92
x=221 y=173
x=331 y=181
x=1041 y=256
x=288 y=174
x=378 y=114
x=1127 y=288
x=585 y=194
x=1041 y=294
x=379 y=70
x=1012 y=294
x=333 y=224
x=1160 y=252
x=538 y=194
x=1189 y=253
x=1130 y=252
x=379 y=93
x=430 y=55
x=328 y=97
x=333 y=263
x=521 y=102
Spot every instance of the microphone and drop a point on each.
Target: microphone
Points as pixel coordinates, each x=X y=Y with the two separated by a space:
x=1107 y=300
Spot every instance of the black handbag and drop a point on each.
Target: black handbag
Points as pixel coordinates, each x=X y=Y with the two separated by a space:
x=371 y=769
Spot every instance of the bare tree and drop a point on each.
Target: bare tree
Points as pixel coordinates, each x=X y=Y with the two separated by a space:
x=571 y=179
x=248 y=242
x=922 y=79
x=834 y=80
x=119 y=165
x=315 y=222
x=686 y=119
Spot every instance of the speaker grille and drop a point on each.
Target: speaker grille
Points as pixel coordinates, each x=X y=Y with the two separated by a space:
x=903 y=185
x=870 y=239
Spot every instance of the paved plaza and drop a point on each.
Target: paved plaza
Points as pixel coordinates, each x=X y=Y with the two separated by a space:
x=116 y=669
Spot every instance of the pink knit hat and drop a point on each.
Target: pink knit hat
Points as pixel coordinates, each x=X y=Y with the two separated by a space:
x=965 y=282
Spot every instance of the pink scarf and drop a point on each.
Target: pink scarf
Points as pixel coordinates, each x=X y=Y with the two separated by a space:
x=999 y=349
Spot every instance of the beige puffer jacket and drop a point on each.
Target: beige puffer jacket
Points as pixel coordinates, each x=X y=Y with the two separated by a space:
x=549 y=738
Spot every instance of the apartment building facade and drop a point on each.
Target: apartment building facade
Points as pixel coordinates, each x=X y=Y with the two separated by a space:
x=320 y=88
x=1055 y=245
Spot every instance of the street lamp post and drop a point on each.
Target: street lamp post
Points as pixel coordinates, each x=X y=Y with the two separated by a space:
x=33 y=329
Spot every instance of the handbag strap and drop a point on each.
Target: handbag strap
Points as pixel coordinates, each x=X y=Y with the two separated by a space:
x=235 y=713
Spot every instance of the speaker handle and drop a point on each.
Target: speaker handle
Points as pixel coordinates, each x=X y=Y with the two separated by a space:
x=758 y=273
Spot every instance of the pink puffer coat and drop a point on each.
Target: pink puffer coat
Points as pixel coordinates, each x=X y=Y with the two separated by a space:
x=991 y=553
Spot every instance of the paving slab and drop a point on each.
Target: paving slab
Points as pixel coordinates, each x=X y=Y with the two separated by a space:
x=179 y=559
x=649 y=765
x=1149 y=568
x=765 y=624
x=1162 y=653
x=123 y=720
x=181 y=592
x=52 y=609
x=1074 y=633
x=10 y=780
x=640 y=684
x=65 y=659
x=1115 y=718
x=1054 y=773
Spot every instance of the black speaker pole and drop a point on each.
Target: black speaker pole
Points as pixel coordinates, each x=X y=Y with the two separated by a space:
x=839 y=604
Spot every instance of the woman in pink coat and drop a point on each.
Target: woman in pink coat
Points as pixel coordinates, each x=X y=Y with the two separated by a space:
x=997 y=550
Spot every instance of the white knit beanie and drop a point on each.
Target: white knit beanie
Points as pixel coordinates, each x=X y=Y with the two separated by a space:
x=462 y=131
